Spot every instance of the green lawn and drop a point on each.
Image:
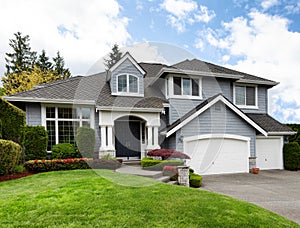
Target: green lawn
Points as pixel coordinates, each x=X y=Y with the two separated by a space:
x=83 y=198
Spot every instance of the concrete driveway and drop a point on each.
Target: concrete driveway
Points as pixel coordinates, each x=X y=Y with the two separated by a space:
x=275 y=190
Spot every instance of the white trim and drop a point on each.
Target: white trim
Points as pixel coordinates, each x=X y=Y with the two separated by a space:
x=128 y=93
x=257 y=82
x=281 y=133
x=131 y=59
x=44 y=100
x=215 y=136
x=130 y=109
x=211 y=103
x=246 y=106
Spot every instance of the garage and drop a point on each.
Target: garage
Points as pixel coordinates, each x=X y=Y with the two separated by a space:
x=216 y=154
x=269 y=152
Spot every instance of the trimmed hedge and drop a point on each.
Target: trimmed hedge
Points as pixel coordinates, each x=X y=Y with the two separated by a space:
x=291 y=156
x=35 y=142
x=10 y=156
x=64 y=150
x=13 y=121
x=195 y=180
x=85 y=140
x=158 y=165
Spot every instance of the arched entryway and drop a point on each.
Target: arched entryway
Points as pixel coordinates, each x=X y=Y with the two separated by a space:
x=129 y=136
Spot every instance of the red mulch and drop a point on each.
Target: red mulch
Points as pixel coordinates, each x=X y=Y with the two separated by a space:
x=16 y=176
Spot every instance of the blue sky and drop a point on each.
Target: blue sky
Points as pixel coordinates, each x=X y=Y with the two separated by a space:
x=257 y=37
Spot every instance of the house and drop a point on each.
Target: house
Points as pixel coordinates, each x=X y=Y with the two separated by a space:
x=218 y=116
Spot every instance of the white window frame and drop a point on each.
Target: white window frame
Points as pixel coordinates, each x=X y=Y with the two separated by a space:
x=56 y=119
x=170 y=89
x=127 y=93
x=245 y=106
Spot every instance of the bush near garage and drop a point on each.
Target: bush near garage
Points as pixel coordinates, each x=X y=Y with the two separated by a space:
x=291 y=156
x=64 y=150
x=158 y=165
x=10 y=156
x=195 y=180
x=12 y=122
x=35 y=142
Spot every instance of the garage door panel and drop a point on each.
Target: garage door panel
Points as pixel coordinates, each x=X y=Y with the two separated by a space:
x=218 y=155
x=269 y=153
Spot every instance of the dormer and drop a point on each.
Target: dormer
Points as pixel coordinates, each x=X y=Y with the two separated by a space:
x=127 y=77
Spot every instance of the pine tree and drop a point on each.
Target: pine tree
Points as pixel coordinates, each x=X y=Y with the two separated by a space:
x=43 y=62
x=114 y=57
x=22 y=58
x=58 y=67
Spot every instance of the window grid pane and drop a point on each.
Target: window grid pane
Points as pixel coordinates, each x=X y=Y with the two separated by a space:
x=177 y=85
x=67 y=131
x=50 y=126
x=133 y=84
x=195 y=87
x=85 y=113
x=67 y=113
x=50 y=112
x=250 y=96
x=122 y=83
x=240 y=95
x=186 y=86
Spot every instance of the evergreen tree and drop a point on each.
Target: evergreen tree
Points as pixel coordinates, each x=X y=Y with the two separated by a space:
x=22 y=58
x=43 y=62
x=58 y=67
x=114 y=56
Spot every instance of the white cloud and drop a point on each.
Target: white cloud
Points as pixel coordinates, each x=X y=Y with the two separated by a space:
x=199 y=44
x=266 y=4
x=90 y=28
x=182 y=12
x=268 y=49
x=205 y=15
x=293 y=9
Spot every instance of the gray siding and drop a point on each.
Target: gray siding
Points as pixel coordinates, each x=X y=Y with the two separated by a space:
x=126 y=68
x=262 y=100
x=33 y=114
x=217 y=120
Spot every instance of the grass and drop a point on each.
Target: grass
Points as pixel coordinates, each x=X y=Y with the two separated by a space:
x=84 y=198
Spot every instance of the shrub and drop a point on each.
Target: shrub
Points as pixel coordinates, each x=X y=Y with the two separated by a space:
x=56 y=164
x=85 y=140
x=19 y=169
x=159 y=164
x=170 y=171
x=195 y=180
x=13 y=121
x=167 y=153
x=104 y=164
x=64 y=150
x=10 y=156
x=291 y=156
x=35 y=142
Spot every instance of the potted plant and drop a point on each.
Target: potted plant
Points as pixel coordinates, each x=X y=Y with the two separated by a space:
x=255 y=170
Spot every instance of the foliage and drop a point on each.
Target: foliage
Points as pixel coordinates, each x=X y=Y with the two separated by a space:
x=35 y=142
x=296 y=137
x=85 y=198
x=24 y=70
x=159 y=164
x=22 y=58
x=56 y=164
x=291 y=156
x=1 y=91
x=104 y=164
x=114 y=56
x=19 y=169
x=170 y=171
x=167 y=154
x=64 y=150
x=85 y=140
x=195 y=180
x=59 y=67
x=10 y=156
x=108 y=156
x=13 y=121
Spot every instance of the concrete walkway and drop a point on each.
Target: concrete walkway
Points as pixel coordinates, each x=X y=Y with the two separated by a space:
x=276 y=190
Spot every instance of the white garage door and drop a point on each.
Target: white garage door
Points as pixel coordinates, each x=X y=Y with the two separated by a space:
x=213 y=154
x=269 y=153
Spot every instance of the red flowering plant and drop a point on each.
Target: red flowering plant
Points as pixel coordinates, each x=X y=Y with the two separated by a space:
x=170 y=171
x=167 y=154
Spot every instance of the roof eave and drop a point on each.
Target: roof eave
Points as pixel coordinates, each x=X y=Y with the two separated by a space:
x=46 y=100
x=259 y=82
x=127 y=109
x=281 y=133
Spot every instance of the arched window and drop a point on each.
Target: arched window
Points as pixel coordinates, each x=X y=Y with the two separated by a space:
x=127 y=83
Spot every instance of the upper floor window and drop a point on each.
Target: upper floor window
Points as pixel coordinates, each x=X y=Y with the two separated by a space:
x=245 y=95
x=127 y=83
x=186 y=86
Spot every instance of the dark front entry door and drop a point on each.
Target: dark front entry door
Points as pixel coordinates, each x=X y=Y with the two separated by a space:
x=128 y=138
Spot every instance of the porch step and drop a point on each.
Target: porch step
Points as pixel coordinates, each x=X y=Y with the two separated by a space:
x=132 y=162
x=165 y=179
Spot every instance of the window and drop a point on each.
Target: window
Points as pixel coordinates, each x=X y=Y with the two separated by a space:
x=186 y=86
x=245 y=95
x=62 y=123
x=127 y=83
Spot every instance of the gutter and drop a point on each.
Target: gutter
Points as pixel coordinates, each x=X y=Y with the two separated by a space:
x=56 y=101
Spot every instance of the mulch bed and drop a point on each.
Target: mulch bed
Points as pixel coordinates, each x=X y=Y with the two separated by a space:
x=16 y=176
